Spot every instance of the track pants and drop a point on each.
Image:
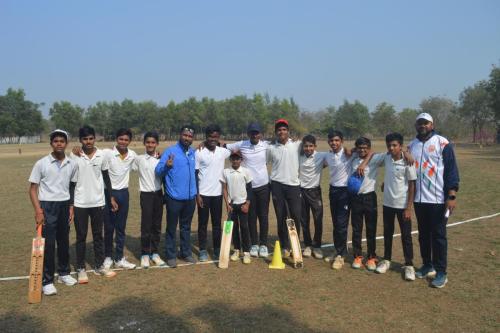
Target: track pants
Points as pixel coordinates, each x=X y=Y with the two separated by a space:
x=259 y=208
x=151 y=216
x=312 y=201
x=96 y=215
x=211 y=206
x=364 y=206
x=240 y=228
x=286 y=198
x=405 y=226
x=339 y=208
x=179 y=212
x=115 y=223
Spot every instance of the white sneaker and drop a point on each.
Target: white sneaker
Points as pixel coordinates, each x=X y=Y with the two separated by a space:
x=49 y=289
x=67 y=280
x=254 y=251
x=307 y=252
x=383 y=266
x=235 y=256
x=108 y=262
x=123 y=263
x=263 y=251
x=82 y=276
x=246 y=258
x=338 y=263
x=103 y=271
x=409 y=273
x=317 y=253
x=145 y=261
x=329 y=258
x=157 y=260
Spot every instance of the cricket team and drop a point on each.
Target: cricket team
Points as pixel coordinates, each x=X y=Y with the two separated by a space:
x=93 y=183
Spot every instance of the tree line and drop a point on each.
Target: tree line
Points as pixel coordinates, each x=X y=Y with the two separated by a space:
x=474 y=117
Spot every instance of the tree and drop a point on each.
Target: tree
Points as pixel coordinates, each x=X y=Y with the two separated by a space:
x=493 y=88
x=353 y=119
x=18 y=116
x=445 y=114
x=98 y=116
x=475 y=108
x=406 y=120
x=66 y=116
x=384 y=119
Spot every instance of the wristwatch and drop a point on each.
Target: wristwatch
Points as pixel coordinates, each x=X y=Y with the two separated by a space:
x=452 y=197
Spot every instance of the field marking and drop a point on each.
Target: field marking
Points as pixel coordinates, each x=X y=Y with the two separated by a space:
x=26 y=277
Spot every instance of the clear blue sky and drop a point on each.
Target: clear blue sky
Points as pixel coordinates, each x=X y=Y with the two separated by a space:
x=318 y=52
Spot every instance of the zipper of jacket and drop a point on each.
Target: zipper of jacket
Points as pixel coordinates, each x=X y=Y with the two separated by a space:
x=420 y=170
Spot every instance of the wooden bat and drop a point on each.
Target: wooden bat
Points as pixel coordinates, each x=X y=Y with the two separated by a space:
x=295 y=243
x=36 y=270
x=225 y=247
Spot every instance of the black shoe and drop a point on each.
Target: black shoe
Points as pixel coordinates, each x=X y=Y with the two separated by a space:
x=172 y=263
x=190 y=259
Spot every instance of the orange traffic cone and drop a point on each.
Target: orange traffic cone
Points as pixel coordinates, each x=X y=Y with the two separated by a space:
x=277 y=262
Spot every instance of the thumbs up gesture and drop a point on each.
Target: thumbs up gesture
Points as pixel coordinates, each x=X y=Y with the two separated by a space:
x=170 y=161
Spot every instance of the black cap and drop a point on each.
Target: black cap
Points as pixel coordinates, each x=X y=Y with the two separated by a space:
x=254 y=127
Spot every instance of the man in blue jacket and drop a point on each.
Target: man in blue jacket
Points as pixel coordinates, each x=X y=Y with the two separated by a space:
x=177 y=169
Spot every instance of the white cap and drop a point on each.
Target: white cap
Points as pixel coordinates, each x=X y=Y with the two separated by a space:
x=63 y=132
x=425 y=116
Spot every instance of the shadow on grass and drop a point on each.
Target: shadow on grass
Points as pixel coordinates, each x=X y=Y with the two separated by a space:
x=17 y=322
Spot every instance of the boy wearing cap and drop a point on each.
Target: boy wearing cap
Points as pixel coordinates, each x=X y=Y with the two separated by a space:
x=151 y=199
x=311 y=164
x=253 y=152
x=435 y=197
x=50 y=195
x=237 y=184
x=177 y=169
x=283 y=155
x=89 y=179
x=209 y=168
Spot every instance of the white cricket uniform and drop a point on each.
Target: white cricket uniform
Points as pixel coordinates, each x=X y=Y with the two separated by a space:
x=371 y=171
x=254 y=159
x=396 y=178
x=53 y=178
x=145 y=164
x=210 y=166
x=236 y=181
x=285 y=162
x=339 y=165
x=310 y=169
x=119 y=170
x=89 y=190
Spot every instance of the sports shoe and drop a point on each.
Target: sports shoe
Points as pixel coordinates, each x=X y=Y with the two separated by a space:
x=123 y=263
x=157 y=260
x=82 y=276
x=371 y=264
x=106 y=272
x=235 y=256
x=307 y=252
x=285 y=253
x=108 y=262
x=67 y=280
x=329 y=258
x=383 y=266
x=440 y=280
x=49 y=289
x=338 y=263
x=145 y=261
x=263 y=252
x=426 y=271
x=254 y=251
x=216 y=254
x=203 y=256
x=409 y=273
x=246 y=258
x=172 y=263
x=190 y=259
x=358 y=262
x=317 y=253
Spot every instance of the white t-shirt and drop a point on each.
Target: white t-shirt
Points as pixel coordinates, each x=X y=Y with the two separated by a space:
x=53 y=178
x=285 y=162
x=339 y=166
x=371 y=169
x=210 y=165
x=310 y=169
x=119 y=170
x=89 y=190
x=145 y=164
x=236 y=181
x=396 y=178
x=254 y=159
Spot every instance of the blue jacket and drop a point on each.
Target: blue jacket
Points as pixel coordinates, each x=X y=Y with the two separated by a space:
x=179 y=180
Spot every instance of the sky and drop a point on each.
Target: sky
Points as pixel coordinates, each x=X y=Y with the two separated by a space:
x=318 y=52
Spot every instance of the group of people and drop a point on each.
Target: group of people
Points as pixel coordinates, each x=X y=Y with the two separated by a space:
x=91 y=182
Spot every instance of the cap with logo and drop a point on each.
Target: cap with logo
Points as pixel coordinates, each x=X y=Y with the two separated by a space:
x=425 y=116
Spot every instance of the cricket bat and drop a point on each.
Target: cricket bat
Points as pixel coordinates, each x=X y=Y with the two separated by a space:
x=36 y=270
x=225 y=246
x=295 y=243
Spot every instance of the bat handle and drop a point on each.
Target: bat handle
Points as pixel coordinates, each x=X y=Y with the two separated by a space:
x=39 y=231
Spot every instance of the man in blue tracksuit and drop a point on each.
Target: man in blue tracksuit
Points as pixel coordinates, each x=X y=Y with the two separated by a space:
x=177 y=169
x=435 y=197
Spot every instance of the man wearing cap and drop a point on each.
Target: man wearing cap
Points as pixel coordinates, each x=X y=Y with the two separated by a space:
x=435 y=197
x=283 y=154
x=177 y=168
x=50 y=195
x=253 y=151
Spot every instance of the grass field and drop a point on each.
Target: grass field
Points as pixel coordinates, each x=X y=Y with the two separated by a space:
x=254 y=298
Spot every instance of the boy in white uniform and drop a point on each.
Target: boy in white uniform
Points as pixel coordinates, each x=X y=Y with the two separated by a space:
x=237 y=186
x=50 y=195
x=151 y=198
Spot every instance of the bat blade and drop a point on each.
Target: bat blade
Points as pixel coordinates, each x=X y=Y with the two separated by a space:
x=225 y=244
x=36 y=270
x=295 y=242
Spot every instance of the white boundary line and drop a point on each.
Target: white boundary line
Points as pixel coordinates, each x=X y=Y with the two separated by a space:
x=16 y=278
